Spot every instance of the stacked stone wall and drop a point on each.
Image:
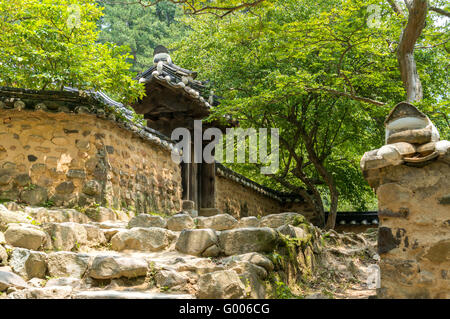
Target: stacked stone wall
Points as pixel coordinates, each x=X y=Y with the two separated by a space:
x=240 y=201
x=67 y=159
x=414 y=232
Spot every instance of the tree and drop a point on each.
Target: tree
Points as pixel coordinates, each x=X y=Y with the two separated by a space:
x=141 y=29
x=321 y=73
x=416 y=20
x=48 y=44
x=219 y=8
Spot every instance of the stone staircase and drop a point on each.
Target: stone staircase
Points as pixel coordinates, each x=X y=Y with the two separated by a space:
x=107 y=254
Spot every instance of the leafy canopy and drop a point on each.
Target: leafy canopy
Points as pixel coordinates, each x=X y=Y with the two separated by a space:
x=49 y=44
x=319 y=66
x=141 y=29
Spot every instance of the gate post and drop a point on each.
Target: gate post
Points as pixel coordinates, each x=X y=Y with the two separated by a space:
x=411 y=177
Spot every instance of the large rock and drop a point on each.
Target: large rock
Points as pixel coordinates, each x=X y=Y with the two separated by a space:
x=2 y=239
x=294 y=232
x=43 y=293
x=36 y=282
x=92 y=188
x=443 y=148
x=102 y=214
x=197 y=265
x=217 y=222
x=3 y=256
x=245 y=222
x=254 y=258
x=223 y=284
x=371 y=160
x=35 y=196
x=12 y=206
x=28 y=264
x=114 y=294
x=67 y=264
x=277 y=220
x=208 y=212
x=252 y=276
x=66 y=236
x=439 y=253
x=252 y=269
x=95 y=236
x=390 y=154
x=241 y=267
x=25 y=236
x=9 y=279
x=197 y=241
x=255 y=287
x=109 y=267
x=44 y=215
x=245 y=240
x=145 y=220
x=110 y=232
x=417 y=136
x=170 y=278
x=7 y=217
x=179 y=222
x=65 y=281
x=145 y=239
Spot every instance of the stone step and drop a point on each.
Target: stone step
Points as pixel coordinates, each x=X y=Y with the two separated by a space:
x=115 y=294
x=205 y=242
x=102 y=273
x=41 y=215
x=67 y=292
x=66 y=236
x=163 y=271
x=109 y=218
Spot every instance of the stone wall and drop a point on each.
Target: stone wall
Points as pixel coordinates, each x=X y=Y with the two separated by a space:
x=67 y=159
x=411 y=176
x=73 y=148
x=240 y=200
x=414 y=232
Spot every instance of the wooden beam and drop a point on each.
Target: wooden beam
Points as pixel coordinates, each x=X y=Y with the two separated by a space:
x=193 y=181
x=208 y=187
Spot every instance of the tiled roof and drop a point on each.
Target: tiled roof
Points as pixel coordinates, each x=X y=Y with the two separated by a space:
x=356 y=218
x=169 y=74
x=224 y=171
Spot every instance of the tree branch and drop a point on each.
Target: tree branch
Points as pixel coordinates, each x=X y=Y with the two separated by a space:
x=440 y=11
x=191 y=4
x=432 y=46
x=405 y=53
x=397 y=9
x=351 y=96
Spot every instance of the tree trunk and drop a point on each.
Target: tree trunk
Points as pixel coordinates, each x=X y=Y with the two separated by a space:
x=315 y=198
x=328 y=178
x=331 y=221
x=405 y=52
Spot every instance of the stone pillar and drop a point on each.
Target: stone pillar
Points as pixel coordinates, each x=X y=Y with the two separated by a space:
x=413 y=190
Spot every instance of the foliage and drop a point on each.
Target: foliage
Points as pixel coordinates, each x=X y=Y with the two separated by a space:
x=320 y=73
x=49 y=44
x=218 y=8
x=141 y=29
